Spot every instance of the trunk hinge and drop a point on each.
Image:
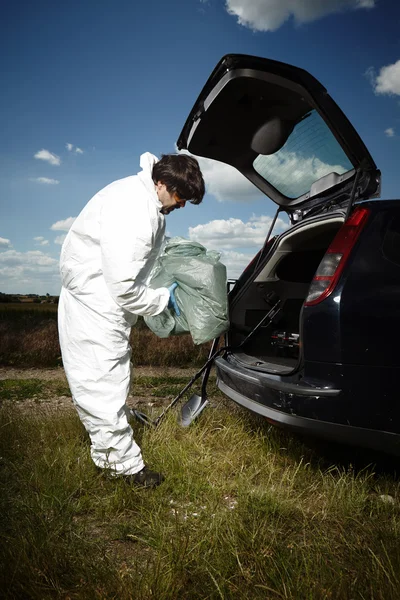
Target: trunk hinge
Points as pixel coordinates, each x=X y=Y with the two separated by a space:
x=354 y=194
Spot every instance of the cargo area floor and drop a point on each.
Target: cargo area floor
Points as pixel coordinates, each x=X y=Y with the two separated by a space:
x=264 y=363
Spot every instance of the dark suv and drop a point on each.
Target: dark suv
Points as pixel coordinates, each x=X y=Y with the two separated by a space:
x=327 y=363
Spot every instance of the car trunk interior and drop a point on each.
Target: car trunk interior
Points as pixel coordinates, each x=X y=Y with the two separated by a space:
x=286 y=275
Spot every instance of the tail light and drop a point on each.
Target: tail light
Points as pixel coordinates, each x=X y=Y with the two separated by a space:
x=331 y=266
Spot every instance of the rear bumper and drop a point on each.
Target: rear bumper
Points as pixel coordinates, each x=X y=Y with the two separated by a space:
x=315 y=410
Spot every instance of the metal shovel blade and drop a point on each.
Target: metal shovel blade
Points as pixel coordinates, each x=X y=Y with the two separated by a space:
x=191 y=409
x=143 y=418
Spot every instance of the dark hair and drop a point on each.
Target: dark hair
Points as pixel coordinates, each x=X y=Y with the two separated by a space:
x=180 y=174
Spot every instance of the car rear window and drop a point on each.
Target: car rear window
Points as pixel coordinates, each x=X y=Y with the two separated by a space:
x=311 y=152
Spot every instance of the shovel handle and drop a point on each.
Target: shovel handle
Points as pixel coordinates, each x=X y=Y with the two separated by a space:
x=212 y=355
x=207 y=371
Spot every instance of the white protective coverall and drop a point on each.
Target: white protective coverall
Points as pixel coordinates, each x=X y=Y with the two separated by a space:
x=105 y=264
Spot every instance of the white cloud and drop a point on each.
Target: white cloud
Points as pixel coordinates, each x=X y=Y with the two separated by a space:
x=225 y=182
x=46 y=180
x=49 y=157
x=370 y=75
x=227 y=236
x=41 y=241
x=304 y=171
x=63 y=225
x=4 y=243
x=269 y=15
x=233 y=233
x=235 y=262
x=28 y=272
x=60 y=239
x=70 y=148
x=28 y=260
x=388 y=79
x=18 y=264
x=389 y=132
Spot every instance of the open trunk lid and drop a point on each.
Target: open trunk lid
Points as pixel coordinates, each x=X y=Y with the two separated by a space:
x=280 y=128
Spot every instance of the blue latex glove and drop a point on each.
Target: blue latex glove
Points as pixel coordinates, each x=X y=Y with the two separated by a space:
x=172 y=300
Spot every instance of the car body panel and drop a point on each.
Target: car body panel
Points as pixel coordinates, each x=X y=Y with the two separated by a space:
x=359 y=319
x=348 y=373
x=381 y=441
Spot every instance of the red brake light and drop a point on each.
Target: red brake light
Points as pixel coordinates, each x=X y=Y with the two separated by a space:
x=331 y=266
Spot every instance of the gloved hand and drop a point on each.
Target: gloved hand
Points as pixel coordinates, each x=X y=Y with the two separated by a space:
x=172 y=300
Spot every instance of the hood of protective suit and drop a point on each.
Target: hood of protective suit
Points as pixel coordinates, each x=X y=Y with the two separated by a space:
x=147 y=162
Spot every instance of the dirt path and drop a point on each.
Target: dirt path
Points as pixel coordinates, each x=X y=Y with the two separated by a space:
x=52 y=402
x=59 y=374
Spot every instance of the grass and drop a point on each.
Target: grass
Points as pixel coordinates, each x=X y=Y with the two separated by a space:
x=30 y=307
x=17 y=390
x=29 y=338
x=246 y=511
x=167 y=387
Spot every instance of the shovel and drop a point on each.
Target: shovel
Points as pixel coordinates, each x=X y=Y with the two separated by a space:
x=195 y=404
x=193 y=407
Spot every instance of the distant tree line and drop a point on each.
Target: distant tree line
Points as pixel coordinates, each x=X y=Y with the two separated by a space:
x=36 y=298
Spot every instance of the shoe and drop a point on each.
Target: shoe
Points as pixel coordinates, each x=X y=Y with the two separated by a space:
x=145 y=478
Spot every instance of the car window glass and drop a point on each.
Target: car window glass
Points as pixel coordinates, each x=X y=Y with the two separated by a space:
x=310 y=152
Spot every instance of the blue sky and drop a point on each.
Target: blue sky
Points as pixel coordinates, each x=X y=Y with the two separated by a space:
x=89 y=86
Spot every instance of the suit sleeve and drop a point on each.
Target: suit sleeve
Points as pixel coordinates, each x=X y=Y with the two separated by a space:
x=127 y=237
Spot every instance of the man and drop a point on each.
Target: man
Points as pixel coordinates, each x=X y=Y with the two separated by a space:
x=105 y=265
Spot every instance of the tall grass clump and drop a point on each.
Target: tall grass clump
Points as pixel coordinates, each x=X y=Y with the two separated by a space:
x=175 y=351
x=245 y=512
x=29 y=338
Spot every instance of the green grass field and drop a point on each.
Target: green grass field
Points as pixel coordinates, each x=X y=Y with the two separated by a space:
x=28 y=306
x=246 y=511
x=29 y=338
